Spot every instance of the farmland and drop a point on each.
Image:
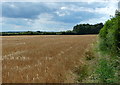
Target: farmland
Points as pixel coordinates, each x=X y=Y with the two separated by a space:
x=42 y=58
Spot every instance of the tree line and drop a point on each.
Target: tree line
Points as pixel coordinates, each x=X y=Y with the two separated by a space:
x=77 y=30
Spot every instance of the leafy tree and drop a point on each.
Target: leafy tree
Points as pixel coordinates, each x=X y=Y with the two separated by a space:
x=87 y=28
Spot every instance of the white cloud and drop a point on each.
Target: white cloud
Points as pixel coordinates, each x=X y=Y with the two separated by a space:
x=89 y=1
x=0 y=24
x=109 y=9
x=1 y=19
x=77 y=9
x=62 y=13
x=95 y=20
x=63 y=8
x=13 y=24
x=46 y=23
x=12 y=5
x=14 y=27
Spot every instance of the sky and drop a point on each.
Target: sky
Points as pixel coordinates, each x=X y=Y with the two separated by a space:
x=52 y=15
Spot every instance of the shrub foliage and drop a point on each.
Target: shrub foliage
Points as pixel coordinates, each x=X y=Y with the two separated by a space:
x=110 y=36
x=109 y=46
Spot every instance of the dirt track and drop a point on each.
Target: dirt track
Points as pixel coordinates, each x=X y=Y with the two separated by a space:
x=43 y=58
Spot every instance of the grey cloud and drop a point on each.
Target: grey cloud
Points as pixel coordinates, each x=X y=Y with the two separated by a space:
x=33 y=9
x=24 y=9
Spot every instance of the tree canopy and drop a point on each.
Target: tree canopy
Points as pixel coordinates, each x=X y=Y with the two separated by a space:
x=87 y=28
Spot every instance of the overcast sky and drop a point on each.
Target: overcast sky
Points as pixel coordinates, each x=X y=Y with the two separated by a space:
x=54 y=16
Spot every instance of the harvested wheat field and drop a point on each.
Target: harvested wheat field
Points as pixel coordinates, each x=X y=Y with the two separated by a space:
x=42 y=58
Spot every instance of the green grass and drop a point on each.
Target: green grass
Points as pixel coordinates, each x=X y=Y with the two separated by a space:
x=106 y=71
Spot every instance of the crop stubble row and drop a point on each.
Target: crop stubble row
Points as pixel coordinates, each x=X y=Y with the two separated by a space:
x=42 y=58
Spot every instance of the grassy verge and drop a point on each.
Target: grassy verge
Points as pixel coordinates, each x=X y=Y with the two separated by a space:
x=85 y=72
x=98 y=68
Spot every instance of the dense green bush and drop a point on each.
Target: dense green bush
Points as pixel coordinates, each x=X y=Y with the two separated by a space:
x=109 y=47
x=110 y=37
